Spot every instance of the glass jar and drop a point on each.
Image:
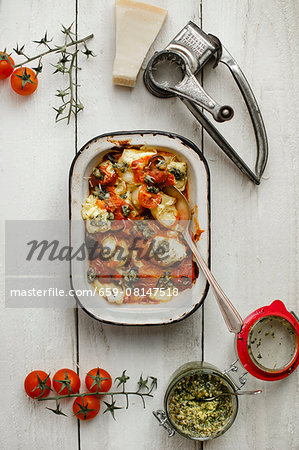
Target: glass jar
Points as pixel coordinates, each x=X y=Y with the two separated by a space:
x=188 y=370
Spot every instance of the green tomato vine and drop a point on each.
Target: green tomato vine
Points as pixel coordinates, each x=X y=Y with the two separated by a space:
x=66 y=64
x=145 y=389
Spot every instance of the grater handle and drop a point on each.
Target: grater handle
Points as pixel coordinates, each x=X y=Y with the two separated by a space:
x=190 y=89
x=221 y=141
x=253 y=109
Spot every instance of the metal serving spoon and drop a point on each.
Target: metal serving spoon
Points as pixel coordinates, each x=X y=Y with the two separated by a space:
x=231 y=316
x=209 y=399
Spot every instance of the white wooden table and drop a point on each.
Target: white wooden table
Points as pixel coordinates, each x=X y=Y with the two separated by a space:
x=254 y=229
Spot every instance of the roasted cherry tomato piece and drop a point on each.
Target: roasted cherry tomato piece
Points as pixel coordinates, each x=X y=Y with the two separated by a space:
x=113 y=156
x=147 y=199
x=98 y=380
x=37 y=384
x=86 y=408
x=156 y=172
x=115 y=200
x=137 y=166
x=157 y=161
x=66 y=381
x=110 y=176
x=158 y=176
x=24 y=81
x=184 y=280
x=170 y=180
x=6 y=65
x=118 y=215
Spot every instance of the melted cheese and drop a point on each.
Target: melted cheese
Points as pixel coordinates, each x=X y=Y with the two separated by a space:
x=131 y=154
x=137 y=25
x=90 y=209
x=96 y=218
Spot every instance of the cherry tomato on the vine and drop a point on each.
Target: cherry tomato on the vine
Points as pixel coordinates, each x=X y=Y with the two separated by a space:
x=66 y=381
x=24 y=81
x=98 y=380
x=37 y=384
x=86 y=408
x=6 y=65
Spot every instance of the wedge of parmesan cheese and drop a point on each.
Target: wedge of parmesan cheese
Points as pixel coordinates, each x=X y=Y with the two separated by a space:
x=137 y=25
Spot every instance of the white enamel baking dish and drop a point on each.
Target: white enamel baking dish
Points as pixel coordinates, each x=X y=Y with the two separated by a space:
x=199 y=196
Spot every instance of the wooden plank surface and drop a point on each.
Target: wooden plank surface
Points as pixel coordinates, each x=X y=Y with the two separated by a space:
x=254 y=229
x=35 y=157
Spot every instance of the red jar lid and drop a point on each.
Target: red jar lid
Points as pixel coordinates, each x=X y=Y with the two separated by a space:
x=268 y=344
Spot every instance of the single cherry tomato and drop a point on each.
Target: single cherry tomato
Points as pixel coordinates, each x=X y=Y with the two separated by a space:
x=104 y=175
x=6 y=65
x=37 y=384
x=158 y=176
x=98 y=380
x=86 y=408
x=110 y=176
x=66 y=381
x=24 y=81
x=147 y=199
x=139 y=167
x=115 y=200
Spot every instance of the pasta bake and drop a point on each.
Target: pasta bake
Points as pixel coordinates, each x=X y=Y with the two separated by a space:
x=137 y=253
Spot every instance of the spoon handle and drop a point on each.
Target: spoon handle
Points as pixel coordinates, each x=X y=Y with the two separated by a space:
x=209 y=399
x=231 y=316
x=247 y=392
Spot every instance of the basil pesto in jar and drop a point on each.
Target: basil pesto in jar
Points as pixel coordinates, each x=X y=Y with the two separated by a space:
x=191 y=414
x=188 y=414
